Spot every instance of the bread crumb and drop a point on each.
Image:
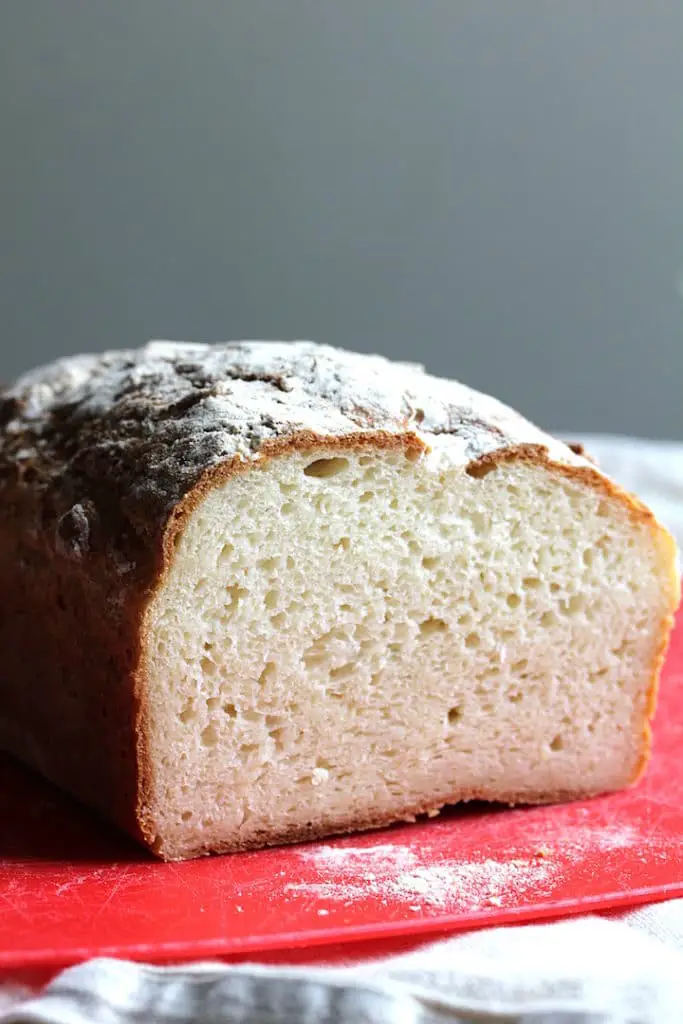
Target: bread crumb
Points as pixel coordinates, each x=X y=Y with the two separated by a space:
x=322 y=912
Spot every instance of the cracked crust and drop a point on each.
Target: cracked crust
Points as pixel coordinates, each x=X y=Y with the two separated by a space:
x=101 y=460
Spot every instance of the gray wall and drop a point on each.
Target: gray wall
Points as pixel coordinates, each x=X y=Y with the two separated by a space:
x=494 y=187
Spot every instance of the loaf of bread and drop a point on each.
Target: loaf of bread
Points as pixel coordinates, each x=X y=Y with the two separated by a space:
x=262 y=592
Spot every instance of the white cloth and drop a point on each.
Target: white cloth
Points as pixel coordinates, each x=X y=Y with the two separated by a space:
x=587 y=969
x=621 y=967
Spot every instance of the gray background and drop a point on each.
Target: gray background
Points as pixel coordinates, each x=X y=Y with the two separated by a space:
x=494 y=187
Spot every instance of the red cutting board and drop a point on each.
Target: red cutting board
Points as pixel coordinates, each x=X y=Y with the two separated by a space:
x=70 y=888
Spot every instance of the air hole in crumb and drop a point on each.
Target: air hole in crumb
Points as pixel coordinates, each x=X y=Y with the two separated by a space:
x=188 y=714
x=249 y=748
x=430 y=562
x=278 y=737
x=531 y=582
x=472 y=641
x=272 y=599
x=365 y=460
x=604 y=510
x=230 y=710
x=342 y=671
x=209 y=735
x=454 y=715
x=186 y=816
x=366 y=496
x=279 y=619
x=514 y=600
x=213 y=703
x=557 y=743
x=515 y=697
x=275 y=721
x=572 y=606
x=344 y=543
x=326 y=467
x=267 y=674
x=480 y=469
x=268 y=564
x=287 y=508
x=234 y=594
x=413 y=454
x=554 y=588
x=548 y=619
x=520 y=666
x=208 y=667
x=588 y=557
x=433 y=625
x=226 y=552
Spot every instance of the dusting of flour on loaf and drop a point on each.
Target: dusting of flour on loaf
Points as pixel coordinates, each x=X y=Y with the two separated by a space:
x=127 y=435
x=396 y=874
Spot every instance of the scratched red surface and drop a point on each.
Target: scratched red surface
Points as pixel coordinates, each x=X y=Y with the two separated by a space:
x=70 y=888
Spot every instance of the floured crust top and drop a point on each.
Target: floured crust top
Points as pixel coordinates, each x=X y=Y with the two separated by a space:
x=96 y=451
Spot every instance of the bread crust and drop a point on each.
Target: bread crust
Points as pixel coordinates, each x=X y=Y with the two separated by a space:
x=102 y=461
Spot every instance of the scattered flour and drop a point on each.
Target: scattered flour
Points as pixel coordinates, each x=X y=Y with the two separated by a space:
x=579 y=840
x=422 y=877
x=398 y=874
